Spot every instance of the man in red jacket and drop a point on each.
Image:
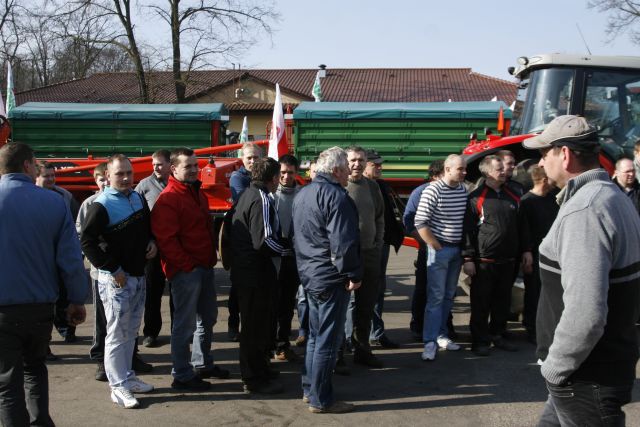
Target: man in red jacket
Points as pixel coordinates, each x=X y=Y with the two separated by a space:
x=182 y=227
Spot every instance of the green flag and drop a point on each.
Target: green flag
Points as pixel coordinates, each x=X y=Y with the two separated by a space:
x=11 y=97
x=316 y=92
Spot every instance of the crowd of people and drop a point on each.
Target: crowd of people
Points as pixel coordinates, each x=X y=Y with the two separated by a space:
x=323 y=247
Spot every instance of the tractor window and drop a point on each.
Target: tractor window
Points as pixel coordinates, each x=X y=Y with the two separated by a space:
x=542 y=96
x=612 y=104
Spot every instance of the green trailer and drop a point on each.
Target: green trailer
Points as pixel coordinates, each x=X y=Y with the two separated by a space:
x=67 y=130
x=408 y=136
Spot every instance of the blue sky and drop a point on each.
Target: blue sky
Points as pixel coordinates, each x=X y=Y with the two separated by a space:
x=486 y=35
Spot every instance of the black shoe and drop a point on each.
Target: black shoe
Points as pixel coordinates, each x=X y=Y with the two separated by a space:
x=417 y=336
x=101 y=375
x=367 y=359
x=70 y=337
x=194 y=384
x=384 y=342
x=233 y=334
x=481 y=350
x=268 y=387
x=213 y=371
x=50 y=357
x=150 y=342
x=341 y=368
x=140 y=366
x=503 y=344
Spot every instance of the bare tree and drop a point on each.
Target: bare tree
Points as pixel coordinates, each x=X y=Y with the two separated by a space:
x=10 y=34
x=623 y=17
x=208 y=30
x=115 y=19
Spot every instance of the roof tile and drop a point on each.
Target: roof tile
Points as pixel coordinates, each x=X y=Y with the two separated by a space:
x=340 y=84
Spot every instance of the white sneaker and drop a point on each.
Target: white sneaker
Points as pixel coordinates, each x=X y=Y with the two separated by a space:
x=429 y=352
x=446 y=344
x=123 y=397
x=136 y=385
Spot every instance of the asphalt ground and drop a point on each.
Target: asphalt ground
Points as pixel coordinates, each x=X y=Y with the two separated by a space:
x=457 y=389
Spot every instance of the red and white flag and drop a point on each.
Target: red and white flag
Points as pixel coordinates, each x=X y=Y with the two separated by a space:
x=278 y=138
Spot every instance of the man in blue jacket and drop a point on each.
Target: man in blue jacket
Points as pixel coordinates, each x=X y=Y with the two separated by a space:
x=327 y=248
x=39 y=248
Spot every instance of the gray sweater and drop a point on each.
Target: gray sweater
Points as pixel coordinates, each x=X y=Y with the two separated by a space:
x=150 y=188
x=368 y=199
x=283 y=201
x=590 y=295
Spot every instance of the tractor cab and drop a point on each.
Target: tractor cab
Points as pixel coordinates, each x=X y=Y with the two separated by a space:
x=604 y=89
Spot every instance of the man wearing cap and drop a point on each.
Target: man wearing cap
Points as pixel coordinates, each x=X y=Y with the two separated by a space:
x=590 y=295
x=393 y=236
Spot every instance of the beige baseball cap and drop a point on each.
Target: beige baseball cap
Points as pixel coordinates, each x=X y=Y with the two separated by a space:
x=572 y=131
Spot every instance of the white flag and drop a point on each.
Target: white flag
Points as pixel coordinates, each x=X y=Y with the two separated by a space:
x=244 y=135
x=278 y=138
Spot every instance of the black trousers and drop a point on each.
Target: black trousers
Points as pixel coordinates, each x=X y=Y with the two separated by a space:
x=365 y=300
x=155 y=282
x=490 y=297
x=419 y=299
x=256 y=310
x=287 y=289
x=234 y=308
x=99 y=325
x=531 y=296
x=24 y=381
x=60 y=317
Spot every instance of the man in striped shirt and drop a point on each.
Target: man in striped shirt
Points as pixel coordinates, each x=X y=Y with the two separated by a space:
x=439 y=222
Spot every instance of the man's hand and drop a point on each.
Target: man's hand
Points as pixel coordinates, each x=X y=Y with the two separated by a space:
x=76 y=314
x=469 y=268
x=152 y=249
x=435 y=245
x=527 y=262
x=120 y=278
x=352 y=286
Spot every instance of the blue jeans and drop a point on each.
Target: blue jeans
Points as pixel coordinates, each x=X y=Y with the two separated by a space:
x=377 y=324
x=123 y=308
x=303 y=312
x=195 y=313
x=327 y=313
x=585 y=404
x=443 y=269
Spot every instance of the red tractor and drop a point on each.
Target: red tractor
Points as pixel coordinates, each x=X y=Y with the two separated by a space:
x=604 y=89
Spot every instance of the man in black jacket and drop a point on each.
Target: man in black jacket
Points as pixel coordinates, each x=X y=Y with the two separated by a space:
x=491 y=251
x=257 y=247
x=120 y=218
x=393 y=236
x=327 y=246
